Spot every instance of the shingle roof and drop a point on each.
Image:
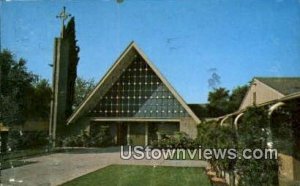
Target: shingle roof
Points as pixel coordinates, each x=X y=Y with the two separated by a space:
x=284 y=85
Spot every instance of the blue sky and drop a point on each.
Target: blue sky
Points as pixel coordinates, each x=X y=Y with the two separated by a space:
x=185 y=39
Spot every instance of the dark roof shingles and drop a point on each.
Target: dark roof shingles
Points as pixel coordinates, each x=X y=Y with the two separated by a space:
x=284 y=85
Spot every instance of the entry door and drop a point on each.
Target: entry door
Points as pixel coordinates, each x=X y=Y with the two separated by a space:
x=122 y=134
x=137 y=134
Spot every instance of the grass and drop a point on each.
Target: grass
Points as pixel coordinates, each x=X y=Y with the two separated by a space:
x=143 y=175
x=187 y=155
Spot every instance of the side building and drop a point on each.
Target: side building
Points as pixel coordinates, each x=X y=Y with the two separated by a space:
x=281 y=96
x=136 y=102
x=264 y=90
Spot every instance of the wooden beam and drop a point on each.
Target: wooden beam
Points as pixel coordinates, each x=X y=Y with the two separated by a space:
x=134 y=119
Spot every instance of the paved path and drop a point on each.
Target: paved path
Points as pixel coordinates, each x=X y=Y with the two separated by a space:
x=58 y=168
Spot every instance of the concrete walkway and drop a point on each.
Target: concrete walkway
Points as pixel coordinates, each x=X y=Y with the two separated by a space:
x=59 y=168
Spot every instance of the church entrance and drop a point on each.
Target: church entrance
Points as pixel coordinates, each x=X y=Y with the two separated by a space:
x=135 y=132
x=122 y=134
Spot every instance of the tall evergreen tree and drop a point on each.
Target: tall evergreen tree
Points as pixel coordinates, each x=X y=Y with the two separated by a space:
x=70 y=35
x=23 y=95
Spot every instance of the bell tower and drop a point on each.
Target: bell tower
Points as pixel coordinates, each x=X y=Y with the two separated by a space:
x=60 y=81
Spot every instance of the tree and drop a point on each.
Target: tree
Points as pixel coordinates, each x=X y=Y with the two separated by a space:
x=70 y=35
x=15 y=86
x=236 y=97
x=222 y=102
x=82 y=89
x=218 y=102
x=23 y=95
x=41 y=99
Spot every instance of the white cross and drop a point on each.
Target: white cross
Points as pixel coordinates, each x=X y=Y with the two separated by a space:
x=63 y=15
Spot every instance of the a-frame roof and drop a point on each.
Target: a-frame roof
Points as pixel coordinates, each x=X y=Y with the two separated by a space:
x=113 y=73
x=278 y=86
x=284 y=85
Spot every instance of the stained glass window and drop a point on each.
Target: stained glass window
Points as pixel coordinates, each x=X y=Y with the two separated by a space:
x=138 y=92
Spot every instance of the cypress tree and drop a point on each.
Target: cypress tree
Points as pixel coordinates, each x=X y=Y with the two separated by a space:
x=70 y=36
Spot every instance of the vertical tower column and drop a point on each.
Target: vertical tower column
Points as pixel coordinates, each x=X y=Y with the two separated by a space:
x=64 y=75
x=59 y=87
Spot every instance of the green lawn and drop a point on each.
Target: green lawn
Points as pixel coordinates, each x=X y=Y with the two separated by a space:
x=132 y=175
x=187 y=156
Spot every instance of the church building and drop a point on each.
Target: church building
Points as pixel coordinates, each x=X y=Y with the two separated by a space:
x=135 y=102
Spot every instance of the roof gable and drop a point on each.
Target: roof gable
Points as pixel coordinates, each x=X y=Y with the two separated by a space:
x=110 y=97
x=284 y=85
x=263 y=93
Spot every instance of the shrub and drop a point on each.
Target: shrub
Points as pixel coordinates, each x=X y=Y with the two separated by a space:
x=213 y=136
x=206 y=134
x=100 y=139
x=178 y=141
x=253 y=134
x=18 y=140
